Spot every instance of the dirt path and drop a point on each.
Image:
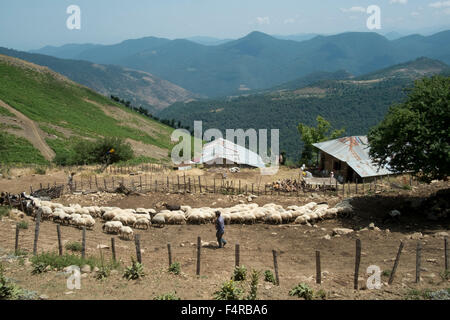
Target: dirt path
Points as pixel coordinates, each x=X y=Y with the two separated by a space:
x=32 y=133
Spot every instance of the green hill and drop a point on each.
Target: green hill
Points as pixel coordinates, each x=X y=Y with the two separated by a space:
x=138 y=87
x=356 y=104
x=50 y=114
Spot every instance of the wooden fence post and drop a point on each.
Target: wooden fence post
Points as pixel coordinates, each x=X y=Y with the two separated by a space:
x=16 y=247
x=318 y=268
x=83 y=243
x=58 y=231
x=237 y=255
x=199 y=246
x=275 y=265
x=397 y=259
x=418 y=256
x=446 y=254
x=113 y=249
x=200 y=184
x=36 y=232
x=137 y=240
x=169 y=251
x=357 y=263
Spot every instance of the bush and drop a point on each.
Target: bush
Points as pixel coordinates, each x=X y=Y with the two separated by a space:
x=4 y=212
x=40 y=170
x=254 y=285
x=39 y=268
x=228 y=291
x=321 y=294
x=22 y=225
x=175 y=268
x=8 y=289
x=167 y=296
x=135 y=271
x=58 y=262
x=302 y=291
x=74 y=246
x=240 y=273
x=269 y=277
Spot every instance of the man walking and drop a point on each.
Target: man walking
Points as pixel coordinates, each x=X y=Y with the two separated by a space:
x=220 y=227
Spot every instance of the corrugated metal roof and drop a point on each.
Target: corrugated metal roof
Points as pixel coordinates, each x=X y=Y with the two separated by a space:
x=355 y=152
x=224 y=149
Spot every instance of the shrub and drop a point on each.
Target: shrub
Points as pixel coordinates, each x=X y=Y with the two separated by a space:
x=8 y=289
x=135 y=271
x=445 y=275
x=167 y=296
x=302 y=291
x=175 y=268
x=4 y=212
x=240 y=273
x=39 y=268
x=321 y=294
x=269 y=277
x=74 y=246
x=40 y=170
x=54 y=260
x=228 y=291
x=254 y=285
x=22 y=225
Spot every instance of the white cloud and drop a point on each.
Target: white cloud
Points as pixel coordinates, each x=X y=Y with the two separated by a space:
x=415 y=14
x=399 y=1
x=354 y=9
x=440 y=4
x=263 y=20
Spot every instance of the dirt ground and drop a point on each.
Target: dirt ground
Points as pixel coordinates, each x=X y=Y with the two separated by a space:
x=296 y=246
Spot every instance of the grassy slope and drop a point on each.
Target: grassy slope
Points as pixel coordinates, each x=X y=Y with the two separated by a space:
x=48 y=98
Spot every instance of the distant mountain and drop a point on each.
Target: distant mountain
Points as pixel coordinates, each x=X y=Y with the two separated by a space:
x=68 y=51
x=297 y=37
x=393 y=35
x=141 y=88
x=355 y=103
x=44 y=114
x=260 y=61
x=208 y=41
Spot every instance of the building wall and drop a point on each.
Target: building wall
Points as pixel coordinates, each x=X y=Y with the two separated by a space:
x=340 y=168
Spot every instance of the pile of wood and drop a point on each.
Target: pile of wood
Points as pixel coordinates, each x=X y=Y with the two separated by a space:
x=49 y=193
x=287 y=185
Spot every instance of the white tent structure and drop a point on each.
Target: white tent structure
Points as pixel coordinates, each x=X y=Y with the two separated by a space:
x=222 y=152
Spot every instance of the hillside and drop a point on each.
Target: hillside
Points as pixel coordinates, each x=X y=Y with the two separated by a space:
x=42 y=113
x=259 y=61
x=355 y=104
x=141 y=88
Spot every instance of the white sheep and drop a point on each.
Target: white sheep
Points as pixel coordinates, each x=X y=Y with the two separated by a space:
x=177 y=218
x=126 y=233
x=274 y=218
x=112 y=227
x=142 y=222
x=159 y=220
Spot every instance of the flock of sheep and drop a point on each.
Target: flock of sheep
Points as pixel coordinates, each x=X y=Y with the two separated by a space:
x=121 y=221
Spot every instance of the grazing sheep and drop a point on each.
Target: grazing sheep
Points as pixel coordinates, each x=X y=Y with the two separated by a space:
x=126 y=233
x=171 y=207
x=112 y=227
x=46 y=212
x=177 y=218
x=142 y=223
x=274 y=218
x=159 y=220
x=301 y=220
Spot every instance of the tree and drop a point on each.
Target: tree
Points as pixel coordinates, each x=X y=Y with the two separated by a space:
x=310 y=135
x=415 y=135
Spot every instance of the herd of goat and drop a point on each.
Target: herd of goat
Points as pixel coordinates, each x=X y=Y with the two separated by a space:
x=122 y=221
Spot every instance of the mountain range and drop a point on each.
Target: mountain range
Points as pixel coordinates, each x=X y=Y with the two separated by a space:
x=355 y=103
x=258 y=61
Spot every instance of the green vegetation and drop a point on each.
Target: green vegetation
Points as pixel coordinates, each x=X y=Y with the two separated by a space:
x=40 y=171
x=302 y=290
x=8 y=289
x=428 y=294
x=269 y=277
x=228 y=291
x=47 y=98
x=74 y=246
x=4 y=212
x=310 y=135
x=6 y=112
x=15 y=149
x=53 y=260
x=253 y=292
x=240 y=273
x=167 y=296
x=414 y=135
x=175 y=268
x=135 y=271
x=22 y=225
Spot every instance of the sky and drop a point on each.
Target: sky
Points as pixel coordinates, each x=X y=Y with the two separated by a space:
x=32 y=24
